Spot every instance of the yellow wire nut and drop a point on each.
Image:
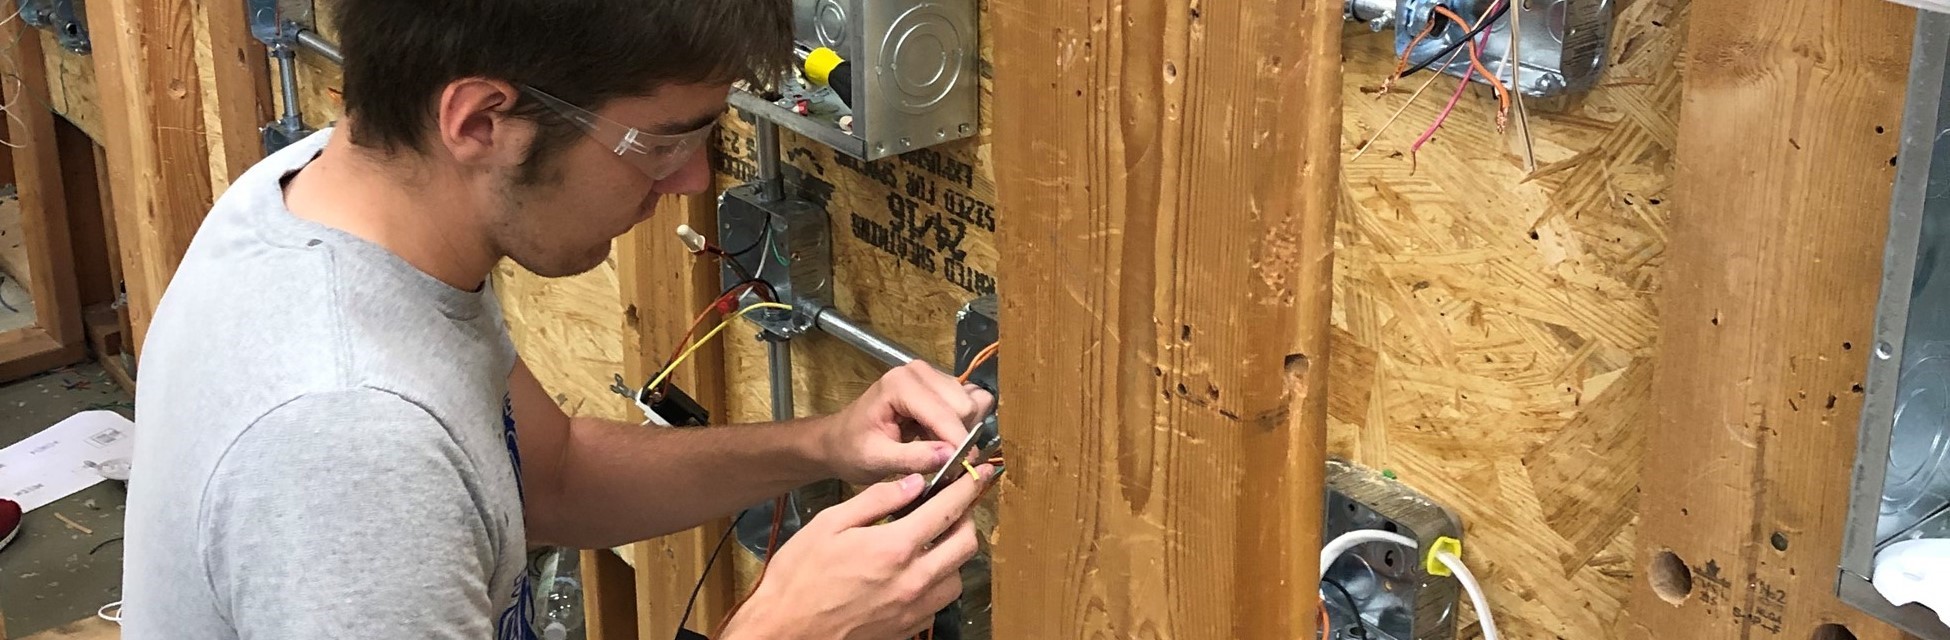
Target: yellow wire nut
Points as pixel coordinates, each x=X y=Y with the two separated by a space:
x=820 y=64
x=1442 y=544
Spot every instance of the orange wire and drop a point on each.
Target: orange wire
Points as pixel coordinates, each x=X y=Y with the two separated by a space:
x=1476 y=62
x=1402 y=62
x=1324 y=622
x=976 y=362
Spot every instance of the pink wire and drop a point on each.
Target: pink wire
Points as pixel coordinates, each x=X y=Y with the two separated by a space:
x=1461 y=87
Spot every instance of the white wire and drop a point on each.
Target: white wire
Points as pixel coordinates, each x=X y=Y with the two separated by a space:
x=1355 y=538
x=1334 y=549
x=111 y=617
x=1475 y=590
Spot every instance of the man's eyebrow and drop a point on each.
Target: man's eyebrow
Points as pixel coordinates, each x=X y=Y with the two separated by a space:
x=676 y=127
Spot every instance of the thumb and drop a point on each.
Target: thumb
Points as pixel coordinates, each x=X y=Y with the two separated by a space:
x=920 y=456
x=877 y=502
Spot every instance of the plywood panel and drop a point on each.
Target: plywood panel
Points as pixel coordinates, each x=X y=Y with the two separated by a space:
x=1495 y=328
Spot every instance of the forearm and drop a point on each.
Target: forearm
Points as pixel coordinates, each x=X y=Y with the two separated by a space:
x=618 y=482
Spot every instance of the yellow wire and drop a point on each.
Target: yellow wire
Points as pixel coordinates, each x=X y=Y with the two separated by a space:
x=654 y=383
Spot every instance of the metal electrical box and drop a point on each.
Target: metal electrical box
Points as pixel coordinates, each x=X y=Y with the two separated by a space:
x=786 y=244
x=911 y=73
x=1380 y=591
x=1901 y=486
x=1561 y=47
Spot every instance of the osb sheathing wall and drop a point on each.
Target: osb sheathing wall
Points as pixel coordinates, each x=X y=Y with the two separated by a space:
x=1494 y=330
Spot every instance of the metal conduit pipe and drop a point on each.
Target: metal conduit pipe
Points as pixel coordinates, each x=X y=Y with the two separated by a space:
x=317 y=44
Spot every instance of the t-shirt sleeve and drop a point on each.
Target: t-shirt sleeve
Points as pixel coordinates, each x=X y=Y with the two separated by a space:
x=348 y=515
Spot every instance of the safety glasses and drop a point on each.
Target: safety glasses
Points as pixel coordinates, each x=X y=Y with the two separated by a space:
x=656 y=155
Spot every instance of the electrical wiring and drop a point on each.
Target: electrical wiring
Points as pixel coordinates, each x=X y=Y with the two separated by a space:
x=771 y=549
x=976 y=362
x=706 y=572
x=1428 y=26
x=115 y=617
x=1475 y=589
x=1495 y=14
x=1476 y=62
x=1440 y=118
x=1347 y=541
x=1523 y=116
x=1398 y=112
x=686 y=354
x=1325 y=624
x=1353 y=606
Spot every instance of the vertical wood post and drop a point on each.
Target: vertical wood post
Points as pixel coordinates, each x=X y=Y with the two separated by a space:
x=1786 y=156
x=1168 y=175
x=57 y=338
x=663 y=287
x=152 y=108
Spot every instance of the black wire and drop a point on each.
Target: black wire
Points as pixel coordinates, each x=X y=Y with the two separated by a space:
x=1352 y=606
x=1494 y=16
x=706 y=573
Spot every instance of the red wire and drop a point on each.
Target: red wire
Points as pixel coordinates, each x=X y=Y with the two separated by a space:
x=771 y=549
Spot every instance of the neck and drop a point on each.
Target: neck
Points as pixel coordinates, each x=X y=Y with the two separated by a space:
x=421 y=213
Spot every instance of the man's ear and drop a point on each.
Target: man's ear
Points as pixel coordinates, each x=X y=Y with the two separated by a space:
x=474 y=125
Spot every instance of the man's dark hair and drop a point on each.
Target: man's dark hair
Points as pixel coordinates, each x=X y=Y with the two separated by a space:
x=400 y=54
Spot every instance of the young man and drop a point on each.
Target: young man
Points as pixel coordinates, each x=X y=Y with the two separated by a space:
x=336 y=438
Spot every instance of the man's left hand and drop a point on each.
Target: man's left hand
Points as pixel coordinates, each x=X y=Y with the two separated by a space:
x=909 y=421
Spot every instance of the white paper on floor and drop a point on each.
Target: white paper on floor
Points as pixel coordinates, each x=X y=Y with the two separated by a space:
x=61 y=460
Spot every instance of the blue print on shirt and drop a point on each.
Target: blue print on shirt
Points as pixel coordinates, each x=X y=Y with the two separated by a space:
x=518 y=621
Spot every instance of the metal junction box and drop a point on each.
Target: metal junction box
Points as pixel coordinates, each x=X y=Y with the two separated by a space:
x=784 y=242
x=911 y=72
x=1901 y=486
x=1385 y=584
x=1561 y=48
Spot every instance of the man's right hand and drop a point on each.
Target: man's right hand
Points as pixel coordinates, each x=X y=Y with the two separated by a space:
x=843 y=576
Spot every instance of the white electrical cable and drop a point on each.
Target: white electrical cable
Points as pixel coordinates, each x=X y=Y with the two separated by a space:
x=1475 y=589
x=1355 y=538
x=1347 y=541
x=111 y=617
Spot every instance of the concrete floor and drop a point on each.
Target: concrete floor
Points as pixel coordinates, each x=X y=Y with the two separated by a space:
x=54 y=574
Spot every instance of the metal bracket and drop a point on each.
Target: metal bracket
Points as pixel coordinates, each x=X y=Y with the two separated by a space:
x=787 y=244
x=67 y=19
x=1395 y=597
x=277 y=22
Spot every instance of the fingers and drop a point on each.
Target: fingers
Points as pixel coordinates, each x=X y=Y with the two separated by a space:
x=933 y=400
x=911 y=457
x=937 y=595
x=873 y=504
x=951 y=551
x=941 y=512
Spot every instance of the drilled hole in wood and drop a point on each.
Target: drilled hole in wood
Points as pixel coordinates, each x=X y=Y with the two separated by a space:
x=1671 y=579
x=1832 y=631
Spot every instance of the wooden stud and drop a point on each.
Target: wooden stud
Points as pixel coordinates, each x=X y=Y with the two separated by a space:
x=1168 y=176
x=152 y=105
x=663 y=286
x=57 y=339
x=609 y=596
x=236 y=81
x=1767 y=313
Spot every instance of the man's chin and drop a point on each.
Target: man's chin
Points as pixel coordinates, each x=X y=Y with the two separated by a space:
x=566 y=265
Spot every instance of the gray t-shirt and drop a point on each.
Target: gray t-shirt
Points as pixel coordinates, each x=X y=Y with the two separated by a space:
x=322 y=446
